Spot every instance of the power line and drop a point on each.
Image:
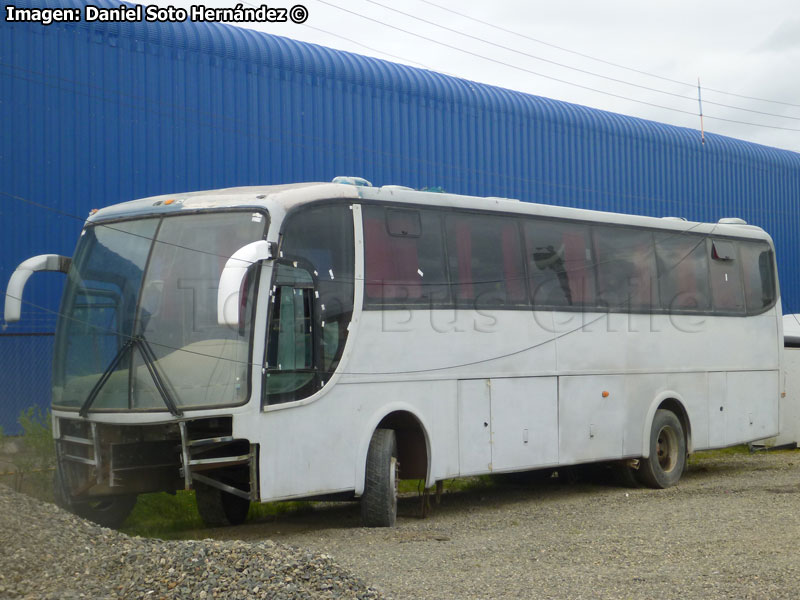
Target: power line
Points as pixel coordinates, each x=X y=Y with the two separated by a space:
x=600 y=60
x=315 y=142
x=362 y=45
x=305 y=142
x=550 y=77
x=503 y=63
x=147 y=102
x=352 y=41
x=577 y=69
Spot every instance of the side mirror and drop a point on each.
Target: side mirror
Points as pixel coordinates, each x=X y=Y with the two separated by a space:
x=16 y=285
x=229 y=294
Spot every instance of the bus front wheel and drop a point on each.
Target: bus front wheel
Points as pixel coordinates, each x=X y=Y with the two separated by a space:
x=109 y=511
x=379 y=500
x=667 y=460
x=218 y=508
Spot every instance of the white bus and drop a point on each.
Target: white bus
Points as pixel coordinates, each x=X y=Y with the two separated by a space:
x=325 y=339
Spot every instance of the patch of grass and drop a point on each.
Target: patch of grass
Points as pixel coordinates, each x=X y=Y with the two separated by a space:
x=175 y=516
x=459 y=484
x=462 y=484
x=273 y=509
x=168 y=516
x=164 y=515
x=719 y=453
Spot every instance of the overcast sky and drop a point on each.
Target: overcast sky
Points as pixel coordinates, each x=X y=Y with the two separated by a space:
x=742 y=47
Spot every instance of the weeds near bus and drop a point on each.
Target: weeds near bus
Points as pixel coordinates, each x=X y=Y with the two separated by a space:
x=175 y=516
x=163 y=515
x=30 y=467
x=705 y=455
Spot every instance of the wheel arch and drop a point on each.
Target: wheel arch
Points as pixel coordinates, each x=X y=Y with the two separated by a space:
x=673 y=402
x=414 y=448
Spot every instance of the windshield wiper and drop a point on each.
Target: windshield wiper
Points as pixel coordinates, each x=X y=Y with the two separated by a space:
x=149 y=358
x=106 y=374
x=150 y=361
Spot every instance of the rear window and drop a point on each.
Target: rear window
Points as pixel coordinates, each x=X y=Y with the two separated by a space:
x=727 y=294
x=759 y=275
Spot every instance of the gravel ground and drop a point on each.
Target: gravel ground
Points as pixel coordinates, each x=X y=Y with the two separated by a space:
x=48 y=553
x=728 y=530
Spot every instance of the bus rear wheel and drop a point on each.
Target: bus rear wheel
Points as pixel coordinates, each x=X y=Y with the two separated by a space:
x=379 y=500
x=667 y=460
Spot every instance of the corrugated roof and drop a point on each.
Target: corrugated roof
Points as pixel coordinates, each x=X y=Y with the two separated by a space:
x=271 y=51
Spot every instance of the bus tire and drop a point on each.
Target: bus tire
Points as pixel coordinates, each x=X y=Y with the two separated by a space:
x=109 y=512
x=60 y=493
x=624 y=474
x=218 y=508
x=379 y=500
x=667 y=460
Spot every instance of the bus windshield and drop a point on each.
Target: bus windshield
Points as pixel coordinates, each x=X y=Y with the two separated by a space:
x=153 y=280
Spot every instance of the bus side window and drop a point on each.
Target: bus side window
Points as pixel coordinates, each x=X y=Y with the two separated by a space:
x=559 y=263
x=726 y=281
x=682 y=272
x=626 y=268
x=404 y=258
x=759 y=281
x=485 y=257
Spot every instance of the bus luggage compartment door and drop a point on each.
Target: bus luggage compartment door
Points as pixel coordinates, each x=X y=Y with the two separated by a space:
x=591 y=417
x=474 y=426
x=507 y=424
x=524 y=422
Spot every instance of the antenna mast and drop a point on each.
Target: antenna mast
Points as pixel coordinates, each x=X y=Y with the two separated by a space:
x=700 y=104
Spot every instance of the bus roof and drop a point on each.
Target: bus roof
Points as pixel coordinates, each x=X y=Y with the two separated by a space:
x=281 y=199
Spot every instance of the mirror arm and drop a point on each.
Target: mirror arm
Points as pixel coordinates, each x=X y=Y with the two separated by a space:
x=230 y=281
x=16 y=285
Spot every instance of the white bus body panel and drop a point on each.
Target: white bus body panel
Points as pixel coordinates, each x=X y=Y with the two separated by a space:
x=790 y=403
x=541 y=405
x=320 y=447
x=790 y=399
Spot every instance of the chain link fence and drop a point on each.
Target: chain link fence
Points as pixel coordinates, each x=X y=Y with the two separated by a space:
x=25 y=366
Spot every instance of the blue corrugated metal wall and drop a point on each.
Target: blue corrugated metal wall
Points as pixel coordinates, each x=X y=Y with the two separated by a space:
x=94 y=114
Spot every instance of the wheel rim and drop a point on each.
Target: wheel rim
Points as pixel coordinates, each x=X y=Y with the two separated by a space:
x=667 y=449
